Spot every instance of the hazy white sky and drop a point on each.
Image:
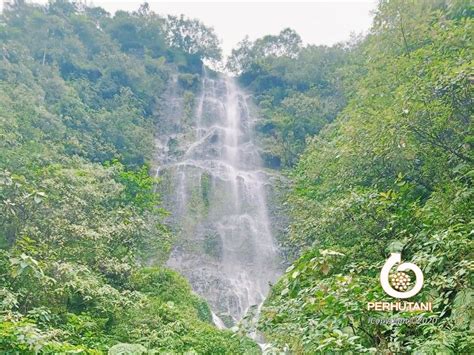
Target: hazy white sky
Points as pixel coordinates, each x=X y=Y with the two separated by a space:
x=317 y=22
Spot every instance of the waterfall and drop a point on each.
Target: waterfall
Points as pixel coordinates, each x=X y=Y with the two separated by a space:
x=216 y=192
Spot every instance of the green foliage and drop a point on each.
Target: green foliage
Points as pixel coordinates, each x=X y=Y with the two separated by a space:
x=297 y=88
x=138 y=187
x=22 y=336
x=379 y=132
x=193 y=37
x=393 y=172
x=176 y=320
x=73 y=305
x=121 y=349
x=286 y=44
x=79 y=216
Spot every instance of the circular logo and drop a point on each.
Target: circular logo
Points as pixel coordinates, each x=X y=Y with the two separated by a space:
x=397 y=284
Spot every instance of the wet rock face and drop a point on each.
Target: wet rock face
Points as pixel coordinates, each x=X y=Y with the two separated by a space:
x=214 y=185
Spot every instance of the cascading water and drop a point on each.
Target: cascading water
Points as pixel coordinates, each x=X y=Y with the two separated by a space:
x=216 y=191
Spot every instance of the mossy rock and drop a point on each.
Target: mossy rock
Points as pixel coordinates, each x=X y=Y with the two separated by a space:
x=213 y=246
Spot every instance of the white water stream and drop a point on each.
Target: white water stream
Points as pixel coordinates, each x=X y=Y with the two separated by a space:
x=217 y=195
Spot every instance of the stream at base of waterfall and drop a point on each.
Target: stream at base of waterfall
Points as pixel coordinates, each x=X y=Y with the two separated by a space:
x=213 y=183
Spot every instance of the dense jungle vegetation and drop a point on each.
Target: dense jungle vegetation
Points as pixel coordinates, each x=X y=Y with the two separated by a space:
x=384 y=124
x=81 y=231
x=375 y=136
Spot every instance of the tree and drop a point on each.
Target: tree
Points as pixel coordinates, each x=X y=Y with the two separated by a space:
x=192 y=37
x=286 y=44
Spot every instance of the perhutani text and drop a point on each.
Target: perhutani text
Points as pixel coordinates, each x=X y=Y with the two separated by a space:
x=399 y=306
